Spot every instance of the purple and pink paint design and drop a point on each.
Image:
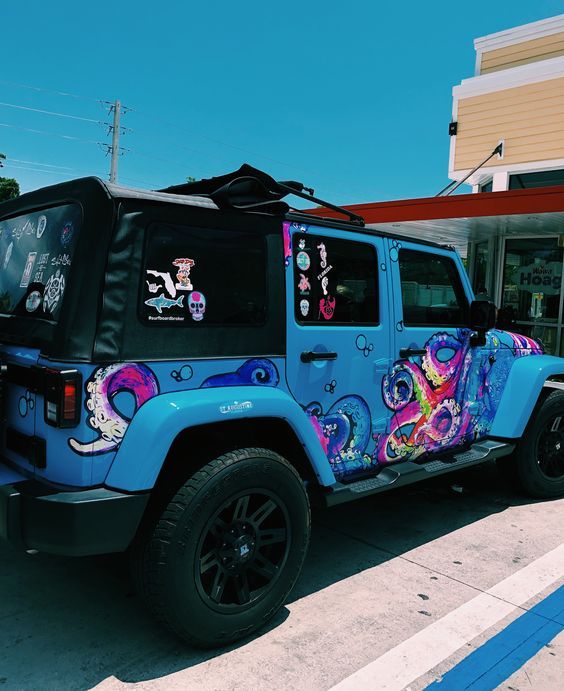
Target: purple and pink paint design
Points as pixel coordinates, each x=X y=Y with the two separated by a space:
x=447 y=399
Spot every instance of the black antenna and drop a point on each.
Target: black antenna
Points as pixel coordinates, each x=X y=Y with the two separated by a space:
x=497 y=151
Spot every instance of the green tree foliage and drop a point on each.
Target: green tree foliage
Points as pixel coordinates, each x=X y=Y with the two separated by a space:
x=9 y=187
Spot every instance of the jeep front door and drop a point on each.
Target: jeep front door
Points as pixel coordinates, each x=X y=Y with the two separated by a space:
x=427 y=386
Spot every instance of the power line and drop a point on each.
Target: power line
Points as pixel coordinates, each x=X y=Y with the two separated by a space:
x=49 y=91
x=37 y=163
x=38 y=170
x=51 y=134
x=50 y=112
x=212 y=139
x=158 y=158
x=65 y=174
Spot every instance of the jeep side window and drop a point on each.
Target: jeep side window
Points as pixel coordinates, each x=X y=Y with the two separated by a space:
x=432 y=293
x=336 y=281
x=197 y=276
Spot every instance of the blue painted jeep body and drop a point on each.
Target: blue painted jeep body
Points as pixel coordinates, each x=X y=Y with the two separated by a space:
x=342 y=379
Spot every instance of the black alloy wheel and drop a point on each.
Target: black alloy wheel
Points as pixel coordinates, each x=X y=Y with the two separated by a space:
x=550 y=448
x=227 y=549
x=243 y=549
x=537 y=465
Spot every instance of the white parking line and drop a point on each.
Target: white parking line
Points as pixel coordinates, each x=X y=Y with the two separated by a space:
x=417 y=655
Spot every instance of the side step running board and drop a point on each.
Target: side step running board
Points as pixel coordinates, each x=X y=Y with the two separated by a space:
x=408 y=472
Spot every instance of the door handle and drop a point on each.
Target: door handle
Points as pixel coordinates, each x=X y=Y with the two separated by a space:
x=406 y=353
x=312 y=356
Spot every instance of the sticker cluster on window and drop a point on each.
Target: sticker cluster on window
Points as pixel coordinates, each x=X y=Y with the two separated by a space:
x=314 y=292
x=36 y=253
x=172 y=296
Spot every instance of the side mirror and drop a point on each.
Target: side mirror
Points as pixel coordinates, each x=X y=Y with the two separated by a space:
x=483 y=315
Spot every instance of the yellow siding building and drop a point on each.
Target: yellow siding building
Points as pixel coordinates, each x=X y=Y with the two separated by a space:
x=516 y=97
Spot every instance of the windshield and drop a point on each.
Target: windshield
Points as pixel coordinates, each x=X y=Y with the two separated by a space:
x=36 y=252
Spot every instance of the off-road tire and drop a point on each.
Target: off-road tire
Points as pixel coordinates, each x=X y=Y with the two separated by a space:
x=530 y=468
x=167 y=563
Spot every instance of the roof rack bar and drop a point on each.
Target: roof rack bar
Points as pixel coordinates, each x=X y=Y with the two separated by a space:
x=354 y=218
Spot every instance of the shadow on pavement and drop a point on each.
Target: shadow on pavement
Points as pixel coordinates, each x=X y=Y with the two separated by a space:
x=71 y=623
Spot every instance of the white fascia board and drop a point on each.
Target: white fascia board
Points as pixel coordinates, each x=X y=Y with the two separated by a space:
x=478 y=65
x=520 y=34
x=452 y=147
x=489 y=171
x=509 y=78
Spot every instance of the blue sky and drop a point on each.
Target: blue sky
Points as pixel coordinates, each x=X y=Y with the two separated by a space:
x=353 y=98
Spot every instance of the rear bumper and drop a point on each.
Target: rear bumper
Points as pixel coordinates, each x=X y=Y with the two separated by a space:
x=78 y=523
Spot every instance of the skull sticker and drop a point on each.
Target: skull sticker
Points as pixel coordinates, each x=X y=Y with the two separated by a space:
x=197 y=305
x=304 y=307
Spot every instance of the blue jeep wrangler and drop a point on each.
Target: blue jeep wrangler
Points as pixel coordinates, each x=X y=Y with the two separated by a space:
x=183 y=371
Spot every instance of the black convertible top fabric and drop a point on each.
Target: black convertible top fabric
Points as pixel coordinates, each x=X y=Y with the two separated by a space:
x=247 y=188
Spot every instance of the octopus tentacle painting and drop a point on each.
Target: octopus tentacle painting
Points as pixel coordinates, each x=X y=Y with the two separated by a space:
x=447 y=398
x=451 y=396
x=344 y=432
x=106 y=383
x=255 y=372
x=102 y=387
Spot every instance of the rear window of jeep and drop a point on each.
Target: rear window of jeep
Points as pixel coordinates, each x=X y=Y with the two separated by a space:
x=194 y=276
x=36 y=252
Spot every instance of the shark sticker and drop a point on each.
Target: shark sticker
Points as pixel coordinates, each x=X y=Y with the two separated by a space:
x=161 y=302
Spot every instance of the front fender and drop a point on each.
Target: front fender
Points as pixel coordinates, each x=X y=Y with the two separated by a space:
x=521 y=392
x=159 y=421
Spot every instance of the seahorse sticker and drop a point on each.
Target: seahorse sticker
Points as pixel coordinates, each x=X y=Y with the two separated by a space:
x=105 y=419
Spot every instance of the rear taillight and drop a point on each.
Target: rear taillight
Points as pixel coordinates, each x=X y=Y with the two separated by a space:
x=62 y=397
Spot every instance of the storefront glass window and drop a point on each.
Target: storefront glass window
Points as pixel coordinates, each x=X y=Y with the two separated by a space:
x=546 y=178
x=532 y=280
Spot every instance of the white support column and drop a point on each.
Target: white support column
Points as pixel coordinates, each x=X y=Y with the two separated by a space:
x=500 y=181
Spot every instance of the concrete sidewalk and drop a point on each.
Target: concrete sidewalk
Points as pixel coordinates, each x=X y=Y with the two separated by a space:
x=378 y=571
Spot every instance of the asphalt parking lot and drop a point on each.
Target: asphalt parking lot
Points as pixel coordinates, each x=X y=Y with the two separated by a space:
x=384 y=580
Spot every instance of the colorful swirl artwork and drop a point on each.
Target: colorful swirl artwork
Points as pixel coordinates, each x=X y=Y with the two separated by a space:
x=447 y=398
x=451 y=396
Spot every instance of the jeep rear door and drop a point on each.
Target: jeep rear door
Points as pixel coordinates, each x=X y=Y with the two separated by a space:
x=36 y=252
x=339 y=340
x=52 y=259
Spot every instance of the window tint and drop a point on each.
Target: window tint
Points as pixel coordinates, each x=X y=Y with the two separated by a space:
x=196 y=276
x=432 y=293
x=36 y=252
x=335 y=281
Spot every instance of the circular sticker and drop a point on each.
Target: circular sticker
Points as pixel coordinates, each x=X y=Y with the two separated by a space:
x=66 y=234
x=302 y=261
x=33 y=301
x=41 y=225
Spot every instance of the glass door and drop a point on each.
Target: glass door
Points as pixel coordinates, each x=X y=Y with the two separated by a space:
x=531 y=299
